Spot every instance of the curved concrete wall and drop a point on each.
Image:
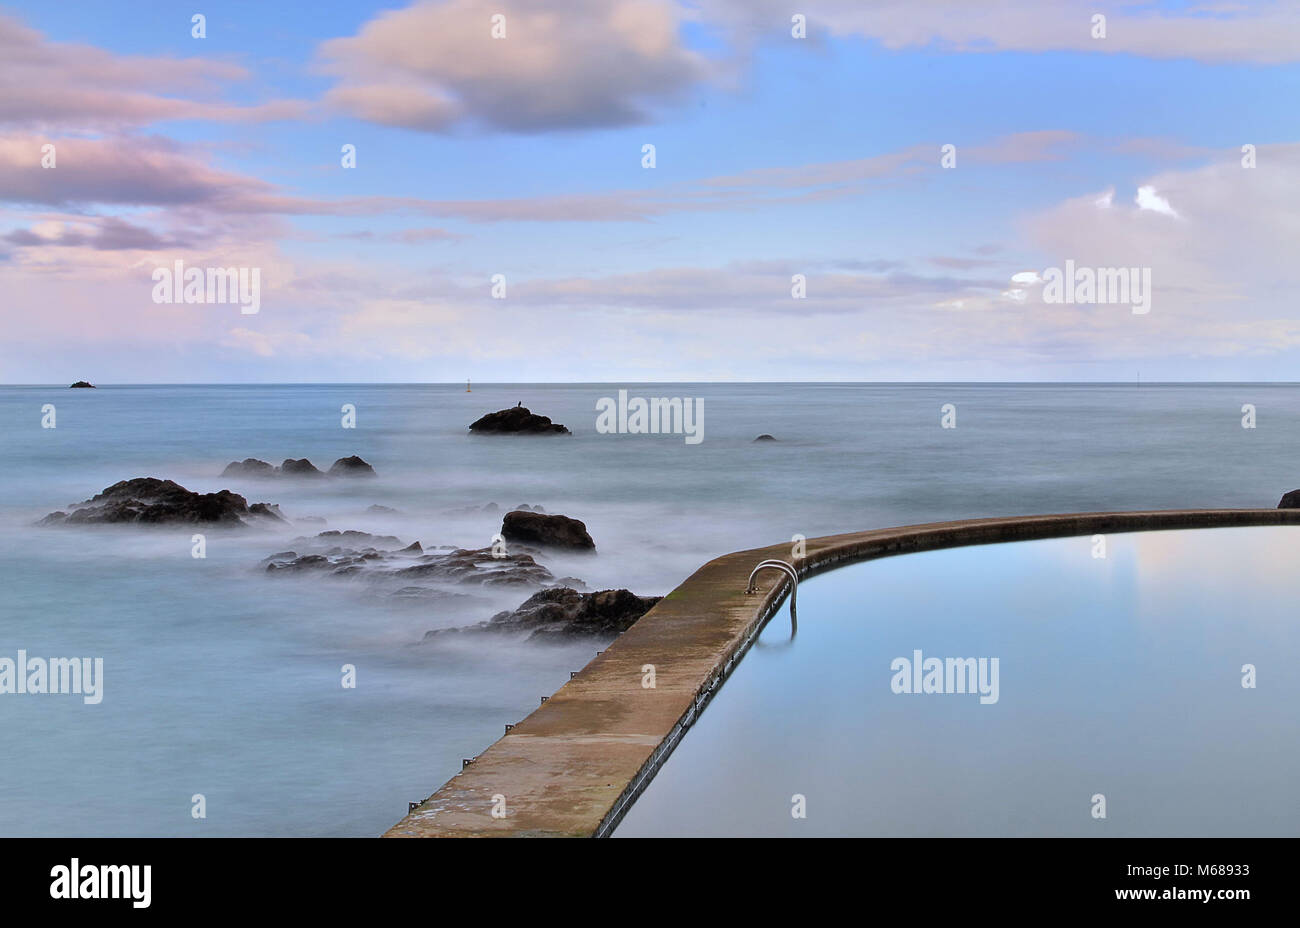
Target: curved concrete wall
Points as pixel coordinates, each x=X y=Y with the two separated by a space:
x=574 y=765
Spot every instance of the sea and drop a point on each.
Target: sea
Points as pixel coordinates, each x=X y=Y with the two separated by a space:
x=224 y=707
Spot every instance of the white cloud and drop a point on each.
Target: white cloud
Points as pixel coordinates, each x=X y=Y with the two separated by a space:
x=1148 y=199
x=436 y=66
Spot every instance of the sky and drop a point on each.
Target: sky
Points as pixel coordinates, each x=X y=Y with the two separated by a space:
x=789 y=138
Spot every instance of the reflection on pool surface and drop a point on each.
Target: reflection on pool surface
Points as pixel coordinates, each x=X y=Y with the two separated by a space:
x=1118 y=677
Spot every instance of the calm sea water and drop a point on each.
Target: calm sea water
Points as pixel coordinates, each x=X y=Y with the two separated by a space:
x=224 y=682
x=1118 y=677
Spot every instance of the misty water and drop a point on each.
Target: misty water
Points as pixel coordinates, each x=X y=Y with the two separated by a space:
x=223 y=681
x=1118 y=676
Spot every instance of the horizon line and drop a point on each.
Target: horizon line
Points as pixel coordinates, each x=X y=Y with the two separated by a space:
x=572 y=383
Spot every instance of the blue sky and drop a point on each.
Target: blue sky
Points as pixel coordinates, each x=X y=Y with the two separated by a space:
x=522 y=156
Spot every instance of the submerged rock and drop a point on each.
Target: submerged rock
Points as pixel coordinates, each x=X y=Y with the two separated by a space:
x=538 y=528
x=249 y=467
x=517 y=420
x=82 y=385
x=765 y=437
x=351 y=466
x=380 y=559
x=562 y=613
x=154 y=501
x=297 y=467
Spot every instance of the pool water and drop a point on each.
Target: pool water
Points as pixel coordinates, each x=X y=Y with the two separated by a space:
x=1124 y=705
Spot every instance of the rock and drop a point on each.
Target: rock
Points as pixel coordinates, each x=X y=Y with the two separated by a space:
x=517 y=420
x=548 y=530
x=382 y=510
x=351 y=467
x=479 y=567
x=458 y=566
x=299 y=468
x=249 y=467
x=82 y=385
x=1290 y=500
x=153 y=501
x=562 y=613
x=523 y=507
x=305 y=562
x=311 y=520
x=491 y=507
x=765 y=437
x=267 y=511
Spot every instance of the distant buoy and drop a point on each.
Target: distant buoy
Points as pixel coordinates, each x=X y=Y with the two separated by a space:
x=467 y=389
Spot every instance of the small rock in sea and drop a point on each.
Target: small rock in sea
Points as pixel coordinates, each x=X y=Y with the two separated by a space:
x=549 y=530
x=153 y=501
x=82 y=385
x=561 y=613
x=382 y=510
x=311 y=520
x=765 y=437
x=491 y=507
x=1290 y=500
x=299 y=468
x=523 y=507
x=517 y=420
x=249 y=467
x=412 y=548
x=351 y=466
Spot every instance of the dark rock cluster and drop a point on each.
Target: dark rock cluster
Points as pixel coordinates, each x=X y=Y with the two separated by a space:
x=150 y=500
x=380 y=558
x=517 y=420
x=298 y=467
x=562 y=613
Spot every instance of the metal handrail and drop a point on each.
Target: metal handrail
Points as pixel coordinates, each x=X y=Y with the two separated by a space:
x=794 y=587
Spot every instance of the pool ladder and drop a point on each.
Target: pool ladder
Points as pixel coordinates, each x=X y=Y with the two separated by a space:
x=790 y=572
x=779 y=565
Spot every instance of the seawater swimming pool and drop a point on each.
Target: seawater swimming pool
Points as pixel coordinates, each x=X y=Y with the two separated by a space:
x=1119 y=677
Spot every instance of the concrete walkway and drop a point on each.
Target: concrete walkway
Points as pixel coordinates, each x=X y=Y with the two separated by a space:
x=573 y=766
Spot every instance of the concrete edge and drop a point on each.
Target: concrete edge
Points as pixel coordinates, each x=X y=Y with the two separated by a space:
x=575 y=765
